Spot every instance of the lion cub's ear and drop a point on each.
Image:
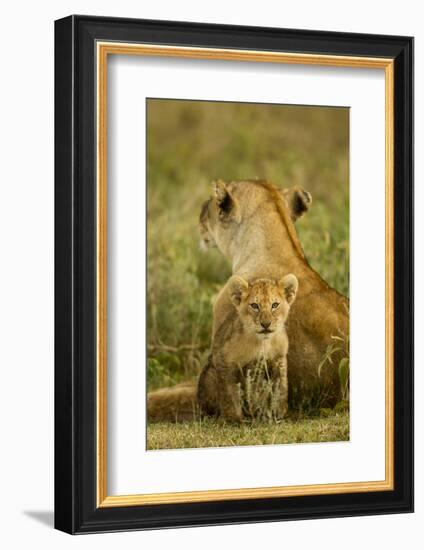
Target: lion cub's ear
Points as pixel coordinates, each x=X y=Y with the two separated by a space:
x=237 y=288
x=290 y=284
x=298 y=200
x=228 y=206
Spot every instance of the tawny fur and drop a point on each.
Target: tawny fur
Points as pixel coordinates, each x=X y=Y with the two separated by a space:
x=253 y=335
x=264 y=244
x=176 y=404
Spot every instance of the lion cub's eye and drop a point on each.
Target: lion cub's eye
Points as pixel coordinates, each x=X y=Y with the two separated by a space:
x=275 y=305
x=254 y=306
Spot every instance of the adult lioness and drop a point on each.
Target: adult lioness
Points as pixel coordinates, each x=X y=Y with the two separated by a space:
x=251 y=223
x=252 y=338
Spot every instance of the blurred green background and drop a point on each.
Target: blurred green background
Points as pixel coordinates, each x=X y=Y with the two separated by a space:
x=191 y=143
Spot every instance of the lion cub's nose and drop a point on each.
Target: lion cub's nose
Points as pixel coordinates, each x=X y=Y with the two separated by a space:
x=266 y=324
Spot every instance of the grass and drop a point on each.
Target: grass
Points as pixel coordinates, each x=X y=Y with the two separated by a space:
x=210 y=433
x=189 y=145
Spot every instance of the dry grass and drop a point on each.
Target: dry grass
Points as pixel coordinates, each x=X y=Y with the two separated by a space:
x=259 y=394
x=210 y=433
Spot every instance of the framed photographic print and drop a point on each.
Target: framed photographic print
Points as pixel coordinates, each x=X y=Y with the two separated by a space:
x=234 y=274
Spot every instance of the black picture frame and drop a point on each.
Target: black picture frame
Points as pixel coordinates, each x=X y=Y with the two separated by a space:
x=76 y=510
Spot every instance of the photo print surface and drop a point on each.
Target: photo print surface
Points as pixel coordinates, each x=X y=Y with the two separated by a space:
x=247 y=274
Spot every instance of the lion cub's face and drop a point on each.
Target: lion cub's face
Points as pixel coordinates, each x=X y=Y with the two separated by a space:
x=263 y=305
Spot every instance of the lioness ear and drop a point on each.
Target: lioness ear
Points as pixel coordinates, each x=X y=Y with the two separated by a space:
x=228 y=207
x=290 y=285
x=298 y=200
x=237 y=288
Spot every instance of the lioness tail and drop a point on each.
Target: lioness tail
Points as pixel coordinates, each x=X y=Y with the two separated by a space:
x=175 y=404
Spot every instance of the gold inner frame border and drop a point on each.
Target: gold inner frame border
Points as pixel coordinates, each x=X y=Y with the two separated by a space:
x=103 y=50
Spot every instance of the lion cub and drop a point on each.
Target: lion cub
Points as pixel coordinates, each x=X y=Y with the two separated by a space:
x=252 y=332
